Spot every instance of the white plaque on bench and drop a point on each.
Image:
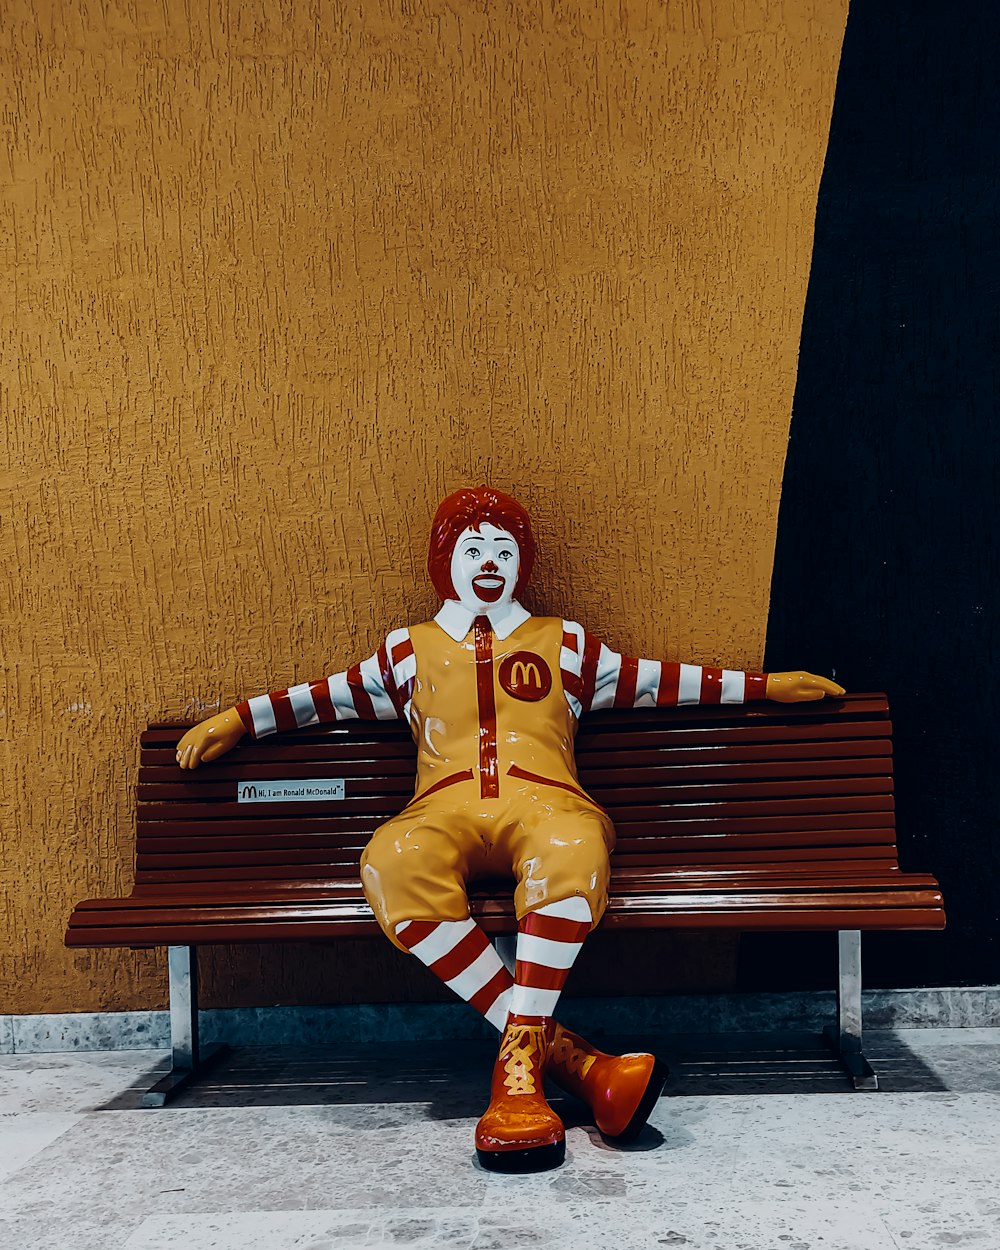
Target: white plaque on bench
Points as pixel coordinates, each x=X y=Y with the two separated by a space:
x=293 y=791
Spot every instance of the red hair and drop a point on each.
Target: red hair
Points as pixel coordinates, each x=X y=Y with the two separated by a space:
x=470 y=507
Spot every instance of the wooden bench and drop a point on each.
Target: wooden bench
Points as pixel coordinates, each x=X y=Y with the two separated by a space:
x=766 y=817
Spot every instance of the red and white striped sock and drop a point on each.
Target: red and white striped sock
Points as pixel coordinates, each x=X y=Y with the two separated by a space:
x=548 y=941
x=461 y=954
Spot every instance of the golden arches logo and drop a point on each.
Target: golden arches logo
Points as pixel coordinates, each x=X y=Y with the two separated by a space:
x=525 y=675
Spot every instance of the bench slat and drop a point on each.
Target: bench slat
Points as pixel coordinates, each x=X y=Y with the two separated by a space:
x=651 y=773
x=843 y=707
x=626 y=740
x=624 y=879
x=166 y=771
x=632 y=913
x=786 y=844
x=269 y=863
x=257 y=757
x=400 y=789
x=627 y=809
x=350 y=845
x=280 y=748
x=611 y=740
x=320 y=851
x=894 y=889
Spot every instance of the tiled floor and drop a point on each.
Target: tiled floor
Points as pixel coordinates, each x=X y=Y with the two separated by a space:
x=755 y=1146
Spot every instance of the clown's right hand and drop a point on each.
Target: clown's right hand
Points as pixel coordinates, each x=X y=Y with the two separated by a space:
x=210 y=739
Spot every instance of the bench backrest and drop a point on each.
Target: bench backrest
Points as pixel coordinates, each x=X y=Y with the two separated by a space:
x=763 y=790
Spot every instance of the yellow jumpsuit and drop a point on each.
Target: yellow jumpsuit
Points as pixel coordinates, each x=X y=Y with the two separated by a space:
x=497 y=792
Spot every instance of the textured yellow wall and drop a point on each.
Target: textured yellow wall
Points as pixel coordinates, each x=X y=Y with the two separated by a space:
x=276 y=276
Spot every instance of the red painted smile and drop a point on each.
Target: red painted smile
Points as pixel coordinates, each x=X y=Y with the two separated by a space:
x=488 y=587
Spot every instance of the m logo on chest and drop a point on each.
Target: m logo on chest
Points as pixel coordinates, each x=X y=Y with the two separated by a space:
x=525 y=675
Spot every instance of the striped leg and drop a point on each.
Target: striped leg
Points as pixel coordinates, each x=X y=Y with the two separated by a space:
x=461 y=954
x=548 y=942
x=621 y=1091
x=519 y=1131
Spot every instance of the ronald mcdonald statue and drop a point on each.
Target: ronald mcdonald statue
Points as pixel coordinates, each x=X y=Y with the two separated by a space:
x=492 y=696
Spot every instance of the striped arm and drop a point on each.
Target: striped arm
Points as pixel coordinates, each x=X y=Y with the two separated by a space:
x=596 y=677
x=379 y=688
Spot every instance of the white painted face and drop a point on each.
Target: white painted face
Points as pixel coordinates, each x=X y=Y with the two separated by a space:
x=484 y=567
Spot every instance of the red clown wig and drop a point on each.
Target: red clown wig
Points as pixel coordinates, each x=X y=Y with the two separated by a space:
x=471 y=507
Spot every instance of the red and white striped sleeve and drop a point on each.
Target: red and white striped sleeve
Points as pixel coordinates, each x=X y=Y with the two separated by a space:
x=379 y=688
x=596 y=677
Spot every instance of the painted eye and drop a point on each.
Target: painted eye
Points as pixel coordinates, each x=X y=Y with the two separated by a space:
x=472 y=552
x=506 y=555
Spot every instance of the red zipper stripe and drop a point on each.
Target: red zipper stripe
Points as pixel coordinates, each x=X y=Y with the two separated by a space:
x=489 y=779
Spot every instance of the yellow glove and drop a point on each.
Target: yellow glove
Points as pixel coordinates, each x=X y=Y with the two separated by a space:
x=210 y=739
x=799 y=687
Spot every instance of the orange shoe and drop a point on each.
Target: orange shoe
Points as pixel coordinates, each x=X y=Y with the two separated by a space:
x=621 y=1090
x=520 y=1132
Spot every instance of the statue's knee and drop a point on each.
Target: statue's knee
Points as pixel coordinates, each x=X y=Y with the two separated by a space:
x=376 y=854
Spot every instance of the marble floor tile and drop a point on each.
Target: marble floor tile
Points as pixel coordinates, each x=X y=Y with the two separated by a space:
x=72 y=1083
x=57 y=1232
x=928 y=1220
x=24 y=1136
x=571 y=1226
x=945 y=1038
x=136 y=1164
x=386 y=1158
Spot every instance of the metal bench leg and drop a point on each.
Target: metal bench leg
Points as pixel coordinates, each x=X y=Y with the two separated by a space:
x=189 y=1059
x=845 y=1036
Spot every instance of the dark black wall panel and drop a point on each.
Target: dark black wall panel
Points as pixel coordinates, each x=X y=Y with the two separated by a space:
x=887 y=561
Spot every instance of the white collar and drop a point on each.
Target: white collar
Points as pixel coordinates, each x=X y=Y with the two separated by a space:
x=456 y=619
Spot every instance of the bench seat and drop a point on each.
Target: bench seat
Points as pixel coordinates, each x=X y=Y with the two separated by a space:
x=831 y=900
x=766 y=817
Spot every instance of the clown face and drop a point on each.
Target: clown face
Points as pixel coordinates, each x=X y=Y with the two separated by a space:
x=484 y=567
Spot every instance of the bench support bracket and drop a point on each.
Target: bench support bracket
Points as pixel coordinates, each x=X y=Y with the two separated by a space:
x=845 y=1036
x=189 y=1059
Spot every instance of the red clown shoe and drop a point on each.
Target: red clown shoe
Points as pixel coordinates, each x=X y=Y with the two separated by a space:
x=621 y=1090
x=519 y=1131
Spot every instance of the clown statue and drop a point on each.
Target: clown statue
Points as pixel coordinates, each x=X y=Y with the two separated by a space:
x=492 y=696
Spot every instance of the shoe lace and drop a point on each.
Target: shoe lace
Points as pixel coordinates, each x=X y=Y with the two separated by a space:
x=520 y=1045
x=577 y=1061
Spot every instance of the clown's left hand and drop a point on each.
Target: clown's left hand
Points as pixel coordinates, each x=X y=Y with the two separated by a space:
x=799 y=687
